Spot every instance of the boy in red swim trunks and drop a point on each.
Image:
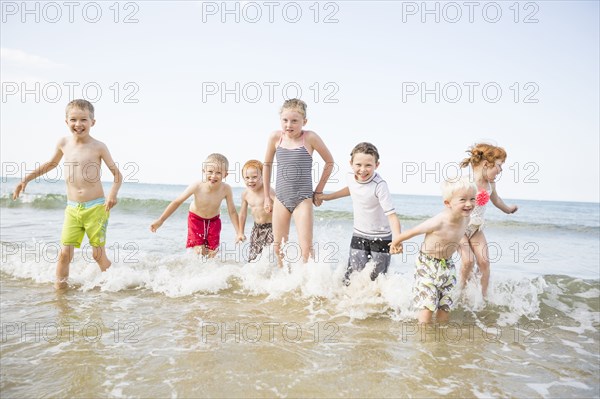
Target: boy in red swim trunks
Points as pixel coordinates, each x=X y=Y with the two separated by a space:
x=204 y=221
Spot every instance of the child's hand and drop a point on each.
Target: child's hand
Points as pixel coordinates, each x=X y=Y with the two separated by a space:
x=110 y=202
x=512 y=209
x=395 y=248
x=318 y=198
x=154 y=226
x=20 y=188
x=240 y=237
x=268 y=205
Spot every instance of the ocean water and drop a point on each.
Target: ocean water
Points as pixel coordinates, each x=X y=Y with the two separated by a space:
x=163 y=322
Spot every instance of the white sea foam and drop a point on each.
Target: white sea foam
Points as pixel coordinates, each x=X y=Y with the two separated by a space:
x=177 y=275
x=544 y=389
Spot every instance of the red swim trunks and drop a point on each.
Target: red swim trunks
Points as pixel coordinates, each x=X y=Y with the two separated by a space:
x=203 y=231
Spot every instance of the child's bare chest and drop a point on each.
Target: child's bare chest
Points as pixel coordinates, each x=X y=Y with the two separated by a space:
x=80 y=156
x=255 y=200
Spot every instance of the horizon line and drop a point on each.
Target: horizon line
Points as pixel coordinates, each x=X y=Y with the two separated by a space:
x=4 y=178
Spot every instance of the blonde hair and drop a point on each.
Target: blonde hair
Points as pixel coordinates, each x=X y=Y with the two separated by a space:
x=253 y=163
x=218 y=158
x=449 y=187
x=483 y=152
x=295 y=104
x=83 y=105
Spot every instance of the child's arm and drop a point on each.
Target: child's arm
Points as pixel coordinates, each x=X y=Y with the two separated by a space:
x=427 y=226
x=344 y=192
x=42 y=169
x=323 y=151
x=394 y=225
x=111 y=200
x=235 y=220
x=172 y=207
x=243 y=215
x=497 y=201
x=267 y=168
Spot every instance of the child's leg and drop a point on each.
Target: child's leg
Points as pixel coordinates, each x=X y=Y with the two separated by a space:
x=62 y=266
x=425 y=316
x=281 y=228
x=211 y=253
x=357 y=258
x=480 y=249
x=201 y=250
x=99 y=254
x=442 y=316
x=303 y=217
x=382 y=262
x=467 y=260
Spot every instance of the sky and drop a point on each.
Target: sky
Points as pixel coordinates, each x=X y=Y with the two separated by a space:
x=175 y=81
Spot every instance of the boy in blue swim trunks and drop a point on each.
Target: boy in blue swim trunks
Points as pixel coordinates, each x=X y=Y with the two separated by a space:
x=435 y=274
x=87 y=208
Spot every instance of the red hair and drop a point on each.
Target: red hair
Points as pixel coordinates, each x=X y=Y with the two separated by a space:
x=253 y=163
x=483 y=152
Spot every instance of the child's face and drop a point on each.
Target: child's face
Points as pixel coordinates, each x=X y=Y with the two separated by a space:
x=79 y=122
x=462 y=202
x=363 y=166
x=253 y=178
x=214 y=173
x=492 y=170
x=292 y=122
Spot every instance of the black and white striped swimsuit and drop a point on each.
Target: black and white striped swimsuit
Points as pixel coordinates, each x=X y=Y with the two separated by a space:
x=294 y=175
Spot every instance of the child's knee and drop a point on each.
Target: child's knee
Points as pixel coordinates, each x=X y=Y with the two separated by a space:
x=99 y=255
x=467 y=264
x=484 y=269
x=484 y=266
x=65 y=254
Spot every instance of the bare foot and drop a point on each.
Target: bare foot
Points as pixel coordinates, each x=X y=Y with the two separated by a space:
x=61 y=284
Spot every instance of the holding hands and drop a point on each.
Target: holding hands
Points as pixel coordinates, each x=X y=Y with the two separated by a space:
x=396 y=247
x=317 y=198
x=268 y=204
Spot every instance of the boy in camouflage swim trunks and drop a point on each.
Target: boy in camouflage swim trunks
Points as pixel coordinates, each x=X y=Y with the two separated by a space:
x=435 y=275
x=254 y=198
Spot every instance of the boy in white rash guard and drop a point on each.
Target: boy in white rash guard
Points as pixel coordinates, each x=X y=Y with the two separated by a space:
x=375 y=220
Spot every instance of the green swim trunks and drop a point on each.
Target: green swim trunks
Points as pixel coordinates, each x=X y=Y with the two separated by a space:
x=85 y=217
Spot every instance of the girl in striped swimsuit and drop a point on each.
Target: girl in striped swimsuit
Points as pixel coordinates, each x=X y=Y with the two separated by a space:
x=294 y=194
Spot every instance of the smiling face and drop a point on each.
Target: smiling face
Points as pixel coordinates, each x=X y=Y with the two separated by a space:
x=462 y=202
x=79 y=122
x=214 y=172
x=292 y=122
x=363 y=166
x=253 y=178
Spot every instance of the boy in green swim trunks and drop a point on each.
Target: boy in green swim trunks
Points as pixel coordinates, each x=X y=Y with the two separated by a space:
x=435 y=275
x=87 y=209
